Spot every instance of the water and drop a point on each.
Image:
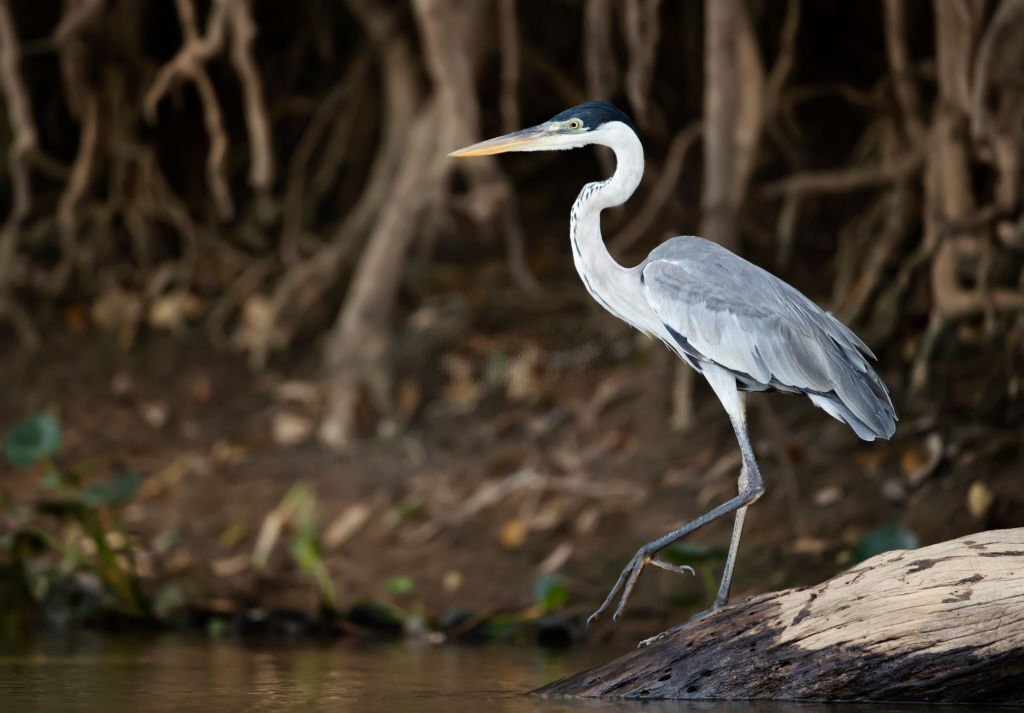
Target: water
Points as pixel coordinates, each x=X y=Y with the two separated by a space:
x=182 y=674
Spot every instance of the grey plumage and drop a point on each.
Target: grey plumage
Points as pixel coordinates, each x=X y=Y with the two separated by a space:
x=724 y=310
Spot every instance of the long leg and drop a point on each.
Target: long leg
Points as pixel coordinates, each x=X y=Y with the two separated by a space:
x=734 y=545
x=751 y=487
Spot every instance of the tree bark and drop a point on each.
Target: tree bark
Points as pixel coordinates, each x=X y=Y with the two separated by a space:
x=943 y=623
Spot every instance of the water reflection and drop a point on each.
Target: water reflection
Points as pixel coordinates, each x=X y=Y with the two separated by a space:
x=89 y=673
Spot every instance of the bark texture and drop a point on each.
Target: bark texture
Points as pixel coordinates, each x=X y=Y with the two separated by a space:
x=943 y=623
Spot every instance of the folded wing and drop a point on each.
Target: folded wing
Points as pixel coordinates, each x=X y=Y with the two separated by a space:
x=721 y=309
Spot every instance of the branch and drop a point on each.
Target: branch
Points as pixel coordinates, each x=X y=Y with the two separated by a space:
x=188 y=64
x=19 y=113
x=846 y=180
x=243 y=31
x=642 y=34
x=943 y=623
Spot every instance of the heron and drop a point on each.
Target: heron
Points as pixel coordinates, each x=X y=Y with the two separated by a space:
x=738 y=325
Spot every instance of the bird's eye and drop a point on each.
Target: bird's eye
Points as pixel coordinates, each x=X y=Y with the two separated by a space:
x=574 y=124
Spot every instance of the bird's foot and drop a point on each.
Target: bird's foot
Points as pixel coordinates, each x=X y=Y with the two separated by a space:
x=627 y=580
x=678 y=627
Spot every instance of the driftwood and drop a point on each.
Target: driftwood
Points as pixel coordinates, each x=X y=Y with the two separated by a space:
x=943 y=623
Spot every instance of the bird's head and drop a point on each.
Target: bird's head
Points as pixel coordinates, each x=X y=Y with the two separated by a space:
x=588 y=123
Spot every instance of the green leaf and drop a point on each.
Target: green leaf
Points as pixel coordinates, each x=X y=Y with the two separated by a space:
x=115 y=491
x=401 y=585
x=32 y=439
x=305 y=552
x=891 y=536
x=549 y=592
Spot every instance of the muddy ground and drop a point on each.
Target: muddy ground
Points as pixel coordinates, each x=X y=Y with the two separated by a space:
x=544 y=449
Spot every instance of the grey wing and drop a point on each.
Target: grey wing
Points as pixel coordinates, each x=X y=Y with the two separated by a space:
x=719 y=308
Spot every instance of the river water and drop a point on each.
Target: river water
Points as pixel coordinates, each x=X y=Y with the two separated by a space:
x=174 y=673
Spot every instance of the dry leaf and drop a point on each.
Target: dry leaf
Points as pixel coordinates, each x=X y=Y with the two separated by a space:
x=270 y=530
x=291 y=429
x=917 y=464
x=587 y=520
x=230 y=566
x=451 y=581
x=256 y=327
x=178 y=562
x=463 y=391
x=118 y=310
x=155 y=413
x=829 y=495
x=304 y=393
x=342 y=528
x=165 y=479
x=558 y=557
x=225 y=452
x=524 y=376
x=979 y=499
x=513 y=534
x=173 y=310
x=549 y=516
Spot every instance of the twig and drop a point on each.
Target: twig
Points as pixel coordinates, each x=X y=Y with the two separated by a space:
x=899 y=68
x=23 y=146
x=19 y=114
x=243 y=31
x=642 y=34
x=845 y=180
x=785 y=59
x=78 y=184
x=188 y=64
x=326 y=115
x=79 y=16
x=193 y=53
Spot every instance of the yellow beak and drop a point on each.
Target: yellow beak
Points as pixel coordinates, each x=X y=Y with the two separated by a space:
x=532 y=139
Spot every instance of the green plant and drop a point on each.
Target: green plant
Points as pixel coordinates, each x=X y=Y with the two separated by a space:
x=298 y=509
x=549 y=593
x=71 y=528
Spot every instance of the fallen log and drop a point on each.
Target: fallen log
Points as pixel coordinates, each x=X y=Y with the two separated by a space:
x=943 y=623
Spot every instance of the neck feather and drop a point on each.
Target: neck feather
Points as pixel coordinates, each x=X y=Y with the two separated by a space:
x=605 y=279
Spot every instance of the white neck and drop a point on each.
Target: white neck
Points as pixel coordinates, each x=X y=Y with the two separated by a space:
x=609 y=282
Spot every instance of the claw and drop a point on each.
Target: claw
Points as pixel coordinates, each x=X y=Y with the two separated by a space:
x=669 y=632
x=676 y=568
x=627 y=581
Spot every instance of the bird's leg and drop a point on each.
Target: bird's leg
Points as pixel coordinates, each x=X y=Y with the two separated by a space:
x=750 y=486
x=723 y=588
x=746 y=484
x=734 y=545
x=645 y=555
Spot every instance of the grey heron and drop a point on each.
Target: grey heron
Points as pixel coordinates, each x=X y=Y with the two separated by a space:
x=738 y=325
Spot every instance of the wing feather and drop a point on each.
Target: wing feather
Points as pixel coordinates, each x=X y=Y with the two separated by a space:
x=738 y=316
